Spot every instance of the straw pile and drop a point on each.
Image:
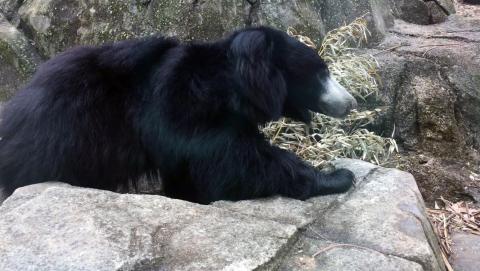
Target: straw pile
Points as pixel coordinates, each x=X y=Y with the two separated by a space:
x=329 y=138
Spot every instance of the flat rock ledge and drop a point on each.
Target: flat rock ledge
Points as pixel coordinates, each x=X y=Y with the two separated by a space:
x=379 y=225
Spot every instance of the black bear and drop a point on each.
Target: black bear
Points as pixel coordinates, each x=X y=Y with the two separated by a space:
x=103 y=116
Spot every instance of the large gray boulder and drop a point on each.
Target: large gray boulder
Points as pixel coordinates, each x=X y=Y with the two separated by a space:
x=58 y=227
x=379 y=225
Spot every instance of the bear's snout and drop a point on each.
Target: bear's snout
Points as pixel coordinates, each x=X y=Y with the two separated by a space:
x=335 y=100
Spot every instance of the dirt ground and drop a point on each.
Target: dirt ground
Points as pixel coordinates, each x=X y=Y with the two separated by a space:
x=450 y=178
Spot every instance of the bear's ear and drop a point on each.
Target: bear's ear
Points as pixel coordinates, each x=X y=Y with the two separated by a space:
x=258 y=80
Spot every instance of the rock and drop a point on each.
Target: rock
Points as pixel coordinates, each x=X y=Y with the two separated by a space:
x=447 y=5
x=412 y=11
x=409 y=235
x=423 y=12
x=436 y=100
x=56 y=25
x=431 y=99
x=18 y=59
x=454 y=46
x=53 y=26
x=380 y=225
x=9 y=8
x=283 y=210
x=303 y=16
x=337 y=13
x=440 y=10
x=466 y=252
x=52 y=227
x=369 y=228
x=335 y=257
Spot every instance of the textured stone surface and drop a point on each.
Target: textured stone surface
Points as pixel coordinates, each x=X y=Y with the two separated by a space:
x=47 y=27
x=56 y=24
x=422 y=12
x=18 y=59
x=384 y=214
x=466 y=252
x=52 y=227
x=9 y=7
x=379 y=225
x=313 y=253
x=283 y=210
x=413 y=11
x=431 y=99
x=336 y=13
x=454 y=48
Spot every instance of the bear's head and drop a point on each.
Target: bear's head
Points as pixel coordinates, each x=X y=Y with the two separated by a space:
x=280 y=76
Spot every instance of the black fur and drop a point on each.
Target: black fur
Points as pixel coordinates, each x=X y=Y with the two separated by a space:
x=101 y=116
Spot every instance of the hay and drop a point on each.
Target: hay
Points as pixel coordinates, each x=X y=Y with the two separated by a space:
x=329 y=138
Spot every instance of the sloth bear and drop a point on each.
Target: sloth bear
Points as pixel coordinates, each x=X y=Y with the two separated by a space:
x=101 y=117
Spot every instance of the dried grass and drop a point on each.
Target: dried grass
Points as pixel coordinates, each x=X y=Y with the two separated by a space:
x=448 y=216
x=329 y=138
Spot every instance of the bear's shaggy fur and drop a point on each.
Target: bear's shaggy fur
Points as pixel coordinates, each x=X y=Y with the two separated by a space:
x=102 y=116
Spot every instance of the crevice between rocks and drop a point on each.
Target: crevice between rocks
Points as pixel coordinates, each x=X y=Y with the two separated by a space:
x=454 y=38
x=336 y=203
x=279 y=258
x=27 y=32
x=280 y=255
x=254 y=6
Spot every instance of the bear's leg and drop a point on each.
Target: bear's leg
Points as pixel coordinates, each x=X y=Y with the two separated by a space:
x=251 y=171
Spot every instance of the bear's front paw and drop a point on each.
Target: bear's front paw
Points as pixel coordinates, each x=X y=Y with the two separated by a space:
x=339 y=181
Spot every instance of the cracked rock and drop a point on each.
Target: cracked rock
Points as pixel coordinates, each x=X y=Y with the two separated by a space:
x=59 y=227
x=379 y=225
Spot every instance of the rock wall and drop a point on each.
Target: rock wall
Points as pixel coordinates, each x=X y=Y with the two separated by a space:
x=431 y=93
x=431 y=83
x=46 y=27
x=18 y=59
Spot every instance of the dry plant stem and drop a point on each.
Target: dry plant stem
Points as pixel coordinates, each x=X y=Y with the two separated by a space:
x=446 y=262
